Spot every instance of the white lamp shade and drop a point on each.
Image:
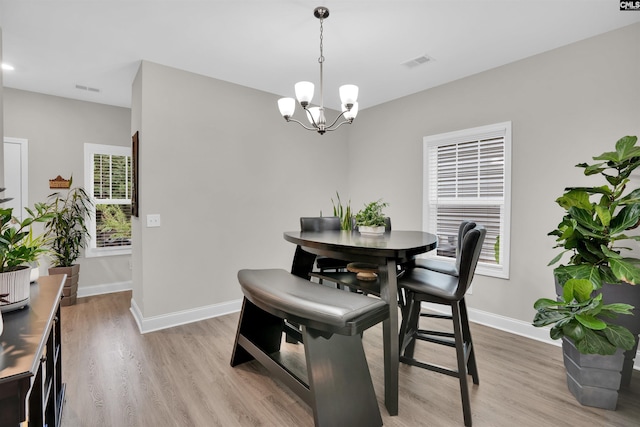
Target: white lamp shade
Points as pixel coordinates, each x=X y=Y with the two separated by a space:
x=287 y=106
x=304 y=92
x=350 y=114
x=348 y=94
x=315 y=112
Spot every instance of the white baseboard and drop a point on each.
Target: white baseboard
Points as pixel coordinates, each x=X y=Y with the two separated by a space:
x=107 y=288
x=507 y=324
x=155 y=323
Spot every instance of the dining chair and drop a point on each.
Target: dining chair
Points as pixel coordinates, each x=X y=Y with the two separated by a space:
x=322 y=223
x=447 y=267
x=423 y=285
x=349 y=279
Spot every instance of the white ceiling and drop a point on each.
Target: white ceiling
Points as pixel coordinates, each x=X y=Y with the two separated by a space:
x=55 y=45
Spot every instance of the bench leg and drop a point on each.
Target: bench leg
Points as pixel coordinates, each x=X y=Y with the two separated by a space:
x=261 y=328
x=341 y=388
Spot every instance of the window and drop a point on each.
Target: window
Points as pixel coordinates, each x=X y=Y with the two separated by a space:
x=108 y=181
x=467 y=176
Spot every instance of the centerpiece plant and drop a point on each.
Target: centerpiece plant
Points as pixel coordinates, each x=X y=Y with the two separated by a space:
x=596 y=232
x=371 y=220
x=372 y=215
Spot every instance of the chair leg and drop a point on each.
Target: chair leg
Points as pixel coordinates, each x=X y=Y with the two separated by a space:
x=462 y=364
x=466 y=333
x=409 y=326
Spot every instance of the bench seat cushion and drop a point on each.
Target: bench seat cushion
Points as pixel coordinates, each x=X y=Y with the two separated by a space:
x=288 y=296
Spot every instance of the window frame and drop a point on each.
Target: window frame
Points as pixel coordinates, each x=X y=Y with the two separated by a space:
x=471 y=135
x=90 y=150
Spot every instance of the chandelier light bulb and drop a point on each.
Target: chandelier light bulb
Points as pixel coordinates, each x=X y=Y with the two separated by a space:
x=348 y=94
x=287 y=106
x=304 y=93
x=352 y=113
x=315 y=113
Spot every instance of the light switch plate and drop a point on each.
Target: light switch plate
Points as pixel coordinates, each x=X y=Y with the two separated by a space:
x=153 y=220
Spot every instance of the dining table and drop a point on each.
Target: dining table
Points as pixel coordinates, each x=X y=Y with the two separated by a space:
x=388 y=251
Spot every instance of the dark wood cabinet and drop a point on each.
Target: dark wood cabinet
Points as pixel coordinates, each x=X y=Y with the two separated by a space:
x=31 y=388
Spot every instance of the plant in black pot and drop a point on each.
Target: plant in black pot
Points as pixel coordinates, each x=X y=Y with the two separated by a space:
x=596 y=290
x=18 y=248
x=68 y=232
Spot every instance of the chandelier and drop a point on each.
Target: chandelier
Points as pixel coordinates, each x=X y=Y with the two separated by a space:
x=304 y=94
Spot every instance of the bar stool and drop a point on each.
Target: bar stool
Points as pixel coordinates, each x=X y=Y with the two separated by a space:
x=445 y=266
x=421 y=285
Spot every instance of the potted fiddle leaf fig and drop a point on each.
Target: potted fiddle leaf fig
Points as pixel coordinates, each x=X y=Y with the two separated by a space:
x=68 y=232
x=596 y=292
x=18 y=248
x=371 y=219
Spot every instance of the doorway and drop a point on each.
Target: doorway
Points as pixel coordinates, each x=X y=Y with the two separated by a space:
x=16 y=175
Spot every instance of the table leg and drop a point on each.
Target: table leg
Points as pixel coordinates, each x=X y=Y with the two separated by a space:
x=389 y=293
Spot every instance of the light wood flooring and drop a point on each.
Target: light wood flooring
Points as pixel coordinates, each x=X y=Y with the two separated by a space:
x=181 y=377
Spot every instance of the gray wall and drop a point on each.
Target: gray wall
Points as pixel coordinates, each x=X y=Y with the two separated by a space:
x=565 y=105
x=227 y=175
x=57 y=129
x=1 y=118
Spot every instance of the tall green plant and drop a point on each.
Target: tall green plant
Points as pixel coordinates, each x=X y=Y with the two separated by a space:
x=596 y=220
x=343 y=213
x=67 y=228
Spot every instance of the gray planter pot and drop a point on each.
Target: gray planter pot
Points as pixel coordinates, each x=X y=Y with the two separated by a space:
x=627 y=294
x=593 y=379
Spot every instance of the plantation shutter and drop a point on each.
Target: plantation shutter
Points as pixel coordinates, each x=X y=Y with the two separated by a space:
x=465 y=178
x=112 y=195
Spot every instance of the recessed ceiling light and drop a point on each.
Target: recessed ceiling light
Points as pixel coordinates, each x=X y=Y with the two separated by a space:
x=7 y=67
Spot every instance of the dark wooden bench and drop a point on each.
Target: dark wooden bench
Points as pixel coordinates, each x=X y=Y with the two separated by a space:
x=338 y=386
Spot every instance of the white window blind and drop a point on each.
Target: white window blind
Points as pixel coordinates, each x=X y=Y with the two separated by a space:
x=108 y=176
x=466 y=176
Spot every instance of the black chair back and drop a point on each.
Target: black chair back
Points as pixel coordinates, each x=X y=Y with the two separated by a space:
x=469 y=256
x=465 y=227
x=319 y=223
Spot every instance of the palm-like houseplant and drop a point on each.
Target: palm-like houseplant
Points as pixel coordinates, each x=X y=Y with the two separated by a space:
x=68 y=232
x=595 y=287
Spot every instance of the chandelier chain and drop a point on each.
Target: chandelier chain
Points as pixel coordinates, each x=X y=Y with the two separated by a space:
x=321 y=58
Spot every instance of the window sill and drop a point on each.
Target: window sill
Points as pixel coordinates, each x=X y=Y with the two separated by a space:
x=95 y=252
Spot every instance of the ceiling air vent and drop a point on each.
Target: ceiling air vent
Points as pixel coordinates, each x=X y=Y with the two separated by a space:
x=88 y=88
x=423 y=59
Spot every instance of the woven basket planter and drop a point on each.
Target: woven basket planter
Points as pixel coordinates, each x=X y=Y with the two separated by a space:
x=70 y=289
